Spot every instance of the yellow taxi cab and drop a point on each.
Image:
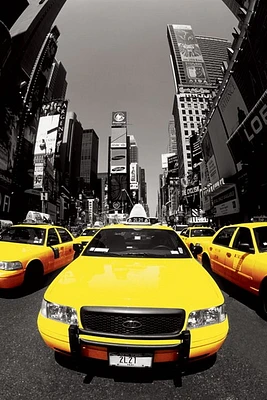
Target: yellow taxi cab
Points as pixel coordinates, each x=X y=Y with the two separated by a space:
x=133 y=298
x=29 y=251
x=196 y=235
x=86 y=235
x=238 y=253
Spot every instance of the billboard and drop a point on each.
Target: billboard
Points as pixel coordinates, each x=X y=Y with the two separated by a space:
x=133 y=173
x=226 y=202
x=250 y=137
x=50 y=131
x=232 y=107
x=118 y=161
x=173 y=166
x=224 y=160
x=192 y=59
x=208 y=154
x=45 y=144
x=119 y=118
x=118 y=137
x=116 y=194
x=38 y=176
x=196 y=152
x=164 y=159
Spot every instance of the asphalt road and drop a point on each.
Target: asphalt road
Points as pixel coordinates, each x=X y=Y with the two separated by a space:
x=28 y=369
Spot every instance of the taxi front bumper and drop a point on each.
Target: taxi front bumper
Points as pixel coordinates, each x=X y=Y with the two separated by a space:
x=188 y=346
x=11 y=279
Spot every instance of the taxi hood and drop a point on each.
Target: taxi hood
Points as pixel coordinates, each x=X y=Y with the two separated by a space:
x=135 y=282
x=10 y=251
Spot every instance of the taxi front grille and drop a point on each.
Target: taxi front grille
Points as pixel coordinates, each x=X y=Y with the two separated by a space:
x=133 y=323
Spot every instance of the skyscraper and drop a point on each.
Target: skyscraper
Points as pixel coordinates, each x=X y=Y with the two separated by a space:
x=214 y=52
x=133 y=150
x=89 y=160
x=22 y=83
x=56 y=85
x=195 y=76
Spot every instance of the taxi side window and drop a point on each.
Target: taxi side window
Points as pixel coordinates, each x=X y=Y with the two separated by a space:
x=185 y=232
x=52 y=238
x=224 y=237
x=64 y=235
x=243 y=240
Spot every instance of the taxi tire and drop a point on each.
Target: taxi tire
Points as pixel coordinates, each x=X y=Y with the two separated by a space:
x=33 y=275
x=263 y=299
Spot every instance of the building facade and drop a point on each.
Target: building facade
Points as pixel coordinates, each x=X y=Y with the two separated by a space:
x=196 y=77
x=22 y=83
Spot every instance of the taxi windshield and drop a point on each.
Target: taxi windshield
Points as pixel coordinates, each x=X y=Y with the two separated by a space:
x=23 y=234
x=137 y=242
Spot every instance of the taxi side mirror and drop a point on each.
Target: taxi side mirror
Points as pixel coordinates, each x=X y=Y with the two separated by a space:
x=197 y=249
x=78 y=248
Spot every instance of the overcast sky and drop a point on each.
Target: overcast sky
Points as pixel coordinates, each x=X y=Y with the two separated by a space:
x=117 y=58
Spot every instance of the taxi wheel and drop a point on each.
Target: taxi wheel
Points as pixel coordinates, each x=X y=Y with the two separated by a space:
x=206 y=262
x=33 y=275
x=263 y=300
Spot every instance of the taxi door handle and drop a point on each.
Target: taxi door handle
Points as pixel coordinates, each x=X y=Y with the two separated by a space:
x=228 y=254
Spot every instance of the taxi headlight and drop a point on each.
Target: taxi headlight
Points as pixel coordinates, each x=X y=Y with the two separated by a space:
x=208 y=316
x=57 y=312
x=10 y=265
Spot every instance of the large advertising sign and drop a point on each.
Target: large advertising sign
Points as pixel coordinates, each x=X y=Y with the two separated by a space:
x=232 y=107
x=224 y=160
x=119 y=118
x=251 y=135
x=118 y=137
x=191 y=56
x=209 y=158
x=193 y=190
x=133 y=173
x=118 y=161
x=164 y=159
x=50 y=131
x=38 y=176
x=196 y=152
x=45 y=144
x=116 y=194
x=226 y=202
x=173 y=166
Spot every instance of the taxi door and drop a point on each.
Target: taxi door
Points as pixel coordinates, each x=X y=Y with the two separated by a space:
x=240 y=260
x=67 y=246
x=220 y=249
x=55 y=249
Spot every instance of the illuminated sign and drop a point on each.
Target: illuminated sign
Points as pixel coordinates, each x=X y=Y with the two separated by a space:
x=119 y=118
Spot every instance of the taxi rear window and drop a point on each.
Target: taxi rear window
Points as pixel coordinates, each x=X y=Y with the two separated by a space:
x=202 y=232
x=137 y=242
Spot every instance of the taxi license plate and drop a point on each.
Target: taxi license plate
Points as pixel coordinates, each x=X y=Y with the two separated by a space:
x=130 y=360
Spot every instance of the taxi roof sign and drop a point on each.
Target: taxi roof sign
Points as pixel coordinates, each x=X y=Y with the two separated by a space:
x=138 y=215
